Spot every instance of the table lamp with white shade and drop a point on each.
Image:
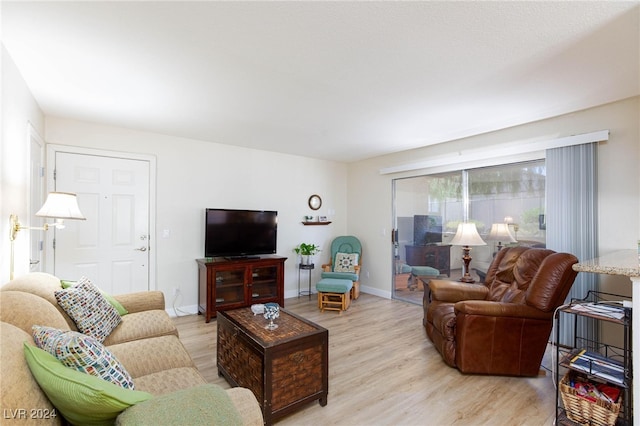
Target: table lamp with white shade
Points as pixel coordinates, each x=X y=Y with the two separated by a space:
x=500 y=232
x=466 y=236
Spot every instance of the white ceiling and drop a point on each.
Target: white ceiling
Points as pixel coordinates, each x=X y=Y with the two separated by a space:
x=334 y=80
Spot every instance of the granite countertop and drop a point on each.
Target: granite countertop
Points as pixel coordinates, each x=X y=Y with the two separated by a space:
x=623 y=262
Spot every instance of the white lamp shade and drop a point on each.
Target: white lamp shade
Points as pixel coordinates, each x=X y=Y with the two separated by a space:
x=467 y=235
x=61 y=205
x=500 y=232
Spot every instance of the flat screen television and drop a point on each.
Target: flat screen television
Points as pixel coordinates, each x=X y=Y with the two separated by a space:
x=427 y=230
x=240 y=233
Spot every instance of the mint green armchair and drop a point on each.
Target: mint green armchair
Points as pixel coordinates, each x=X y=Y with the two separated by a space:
x=346 y=257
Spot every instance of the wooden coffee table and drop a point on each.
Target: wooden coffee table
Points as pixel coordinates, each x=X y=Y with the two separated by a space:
x=285 y=368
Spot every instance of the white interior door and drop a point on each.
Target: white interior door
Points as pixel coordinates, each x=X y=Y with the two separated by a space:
x=112 y=246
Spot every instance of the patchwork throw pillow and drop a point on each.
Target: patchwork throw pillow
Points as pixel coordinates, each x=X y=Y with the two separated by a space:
x=88 y=308
x=82 y=353
x=121 y=309
x=82 y=399
x=346 y=262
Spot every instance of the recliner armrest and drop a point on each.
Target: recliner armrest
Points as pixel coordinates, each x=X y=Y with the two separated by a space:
x=500 y=309
x=455 y=291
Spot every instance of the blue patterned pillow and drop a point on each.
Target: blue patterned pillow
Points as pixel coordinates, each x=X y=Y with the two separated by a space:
x=82 y=353
x=88 y=308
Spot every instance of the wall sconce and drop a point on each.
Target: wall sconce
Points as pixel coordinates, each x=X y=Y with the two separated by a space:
x=59 y=205
x=509 y=221
x=500 y=232
x=467 y=235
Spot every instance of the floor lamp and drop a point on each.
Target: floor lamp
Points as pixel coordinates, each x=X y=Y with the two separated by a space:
x=59 y=206
x=467 y=235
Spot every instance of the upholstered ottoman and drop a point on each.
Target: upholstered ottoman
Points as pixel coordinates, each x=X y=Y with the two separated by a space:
x=418 y=273
x=405 y=269
x=334 y=294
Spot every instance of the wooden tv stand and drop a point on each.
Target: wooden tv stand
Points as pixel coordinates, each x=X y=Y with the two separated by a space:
x=235 y=283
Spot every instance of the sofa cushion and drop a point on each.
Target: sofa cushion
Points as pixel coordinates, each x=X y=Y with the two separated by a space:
x=169 y=380
x=142 y=325
x=81 y=398
x=121 y=309
x=201 y=405
x=43 y=285
x=25 y=309
x=147 y=356
x=19 y=390
x=88 y=308
x=83 y=353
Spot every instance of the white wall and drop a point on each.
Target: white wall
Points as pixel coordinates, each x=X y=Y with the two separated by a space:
x=193 y=175
x=370 y=215
x=18 y=110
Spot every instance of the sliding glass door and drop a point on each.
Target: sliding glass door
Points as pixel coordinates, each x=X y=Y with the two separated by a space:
x=428 y=209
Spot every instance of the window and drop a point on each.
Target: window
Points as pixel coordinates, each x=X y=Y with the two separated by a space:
x=515 y=191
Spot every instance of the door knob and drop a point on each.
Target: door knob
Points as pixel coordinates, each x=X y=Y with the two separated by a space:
x=141 y=249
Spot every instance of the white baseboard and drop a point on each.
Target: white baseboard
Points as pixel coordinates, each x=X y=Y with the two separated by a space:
x=375 y=291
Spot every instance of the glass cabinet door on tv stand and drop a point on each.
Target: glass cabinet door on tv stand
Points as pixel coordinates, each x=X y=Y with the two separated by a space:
x=235 y=283
x=229 y=285
x=264 y=284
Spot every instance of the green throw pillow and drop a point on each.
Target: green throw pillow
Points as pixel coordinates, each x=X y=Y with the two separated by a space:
x=81 y=398
x=121 y=309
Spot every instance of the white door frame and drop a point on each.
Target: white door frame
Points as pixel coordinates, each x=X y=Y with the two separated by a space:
x=36 y=199
x=53 y=149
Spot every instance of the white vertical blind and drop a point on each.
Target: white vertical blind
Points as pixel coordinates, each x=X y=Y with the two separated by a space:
x=571 y=216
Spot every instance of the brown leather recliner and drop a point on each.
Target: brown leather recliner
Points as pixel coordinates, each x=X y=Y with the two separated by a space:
x=501 y=326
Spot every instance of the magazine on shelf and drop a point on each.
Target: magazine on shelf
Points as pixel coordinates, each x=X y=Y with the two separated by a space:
x=598 y=365
x=602 y=309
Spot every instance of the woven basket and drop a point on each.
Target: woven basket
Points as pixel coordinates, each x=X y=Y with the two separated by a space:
x=585 y=412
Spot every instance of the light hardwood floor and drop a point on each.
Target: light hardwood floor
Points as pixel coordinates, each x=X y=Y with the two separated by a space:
x=383 y=370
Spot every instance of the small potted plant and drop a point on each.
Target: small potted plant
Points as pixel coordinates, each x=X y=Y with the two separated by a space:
x=306 y=251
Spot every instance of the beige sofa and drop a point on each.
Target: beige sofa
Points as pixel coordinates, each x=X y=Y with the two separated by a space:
x=146 y=342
